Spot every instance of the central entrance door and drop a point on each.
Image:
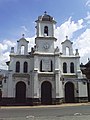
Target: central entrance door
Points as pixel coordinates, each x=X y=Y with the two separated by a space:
x=69 y=92
x=20 y=92
x=46 y=93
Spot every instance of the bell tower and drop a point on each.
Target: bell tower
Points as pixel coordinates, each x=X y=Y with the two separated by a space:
x=45 y=26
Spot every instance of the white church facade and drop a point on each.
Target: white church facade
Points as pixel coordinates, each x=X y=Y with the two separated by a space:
x=45 y=75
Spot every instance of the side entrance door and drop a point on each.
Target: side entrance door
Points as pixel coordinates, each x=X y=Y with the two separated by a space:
x=20 y=92
x=69 y=92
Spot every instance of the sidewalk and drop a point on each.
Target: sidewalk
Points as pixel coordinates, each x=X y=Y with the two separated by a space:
x=45 y=106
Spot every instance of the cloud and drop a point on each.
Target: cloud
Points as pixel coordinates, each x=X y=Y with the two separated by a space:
x=3 y=59
x=4 y=52
x=6 y=45
x=88 y=3
x=68 y=28
x=24 y=28
x=88 y=18
x=83 y=44
x=3 y=47
x=82 y=41
x=31 y=42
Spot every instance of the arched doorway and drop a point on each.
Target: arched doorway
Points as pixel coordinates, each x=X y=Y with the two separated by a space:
x=46 y=93
x=69 y=92
x=0 y=94
x=20 y=92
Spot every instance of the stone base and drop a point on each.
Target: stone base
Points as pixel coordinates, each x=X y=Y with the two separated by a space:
x=57 y=101
x=28 y=101
x=12 y=101
x=82 y=99
x=37 y=101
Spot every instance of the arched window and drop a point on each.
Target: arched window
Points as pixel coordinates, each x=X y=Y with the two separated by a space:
x=25 y=68
x=22 y=49
x=67 y=51
x=46 y=30
x=64 y=67
x=17 y=66
x=72 y=67
x=41 y=65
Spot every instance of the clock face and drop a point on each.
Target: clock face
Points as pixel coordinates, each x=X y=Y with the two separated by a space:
x=46 y=45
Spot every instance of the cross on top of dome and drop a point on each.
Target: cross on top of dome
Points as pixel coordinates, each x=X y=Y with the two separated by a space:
x=45 y=12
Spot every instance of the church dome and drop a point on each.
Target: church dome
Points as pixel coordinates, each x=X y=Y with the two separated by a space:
x=46 y=17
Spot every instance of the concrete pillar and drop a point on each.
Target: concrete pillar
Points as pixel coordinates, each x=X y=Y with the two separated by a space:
x=36 y=65
x=36 y=86
x=59 y=88
x=10 y=85
x=57 y=79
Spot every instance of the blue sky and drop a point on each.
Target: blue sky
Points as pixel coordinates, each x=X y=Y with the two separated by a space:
x=18 y=17
x=17 y=13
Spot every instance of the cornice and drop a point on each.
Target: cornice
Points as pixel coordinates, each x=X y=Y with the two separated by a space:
x=46 y=37
x=20 y=56
x=69 y=56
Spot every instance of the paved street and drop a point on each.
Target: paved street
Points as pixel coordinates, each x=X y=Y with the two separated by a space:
x=67 y=112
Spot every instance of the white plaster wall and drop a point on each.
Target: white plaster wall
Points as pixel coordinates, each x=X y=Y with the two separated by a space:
x=82 y=89
x=10 y=86
x=59 y=87
x=40 y=43
x=21 y=60
x=36 y=63
x=61 y=92
x=47 y=58
x=4 y=89
x=57 y=63
x=68 y=60
x=36 y=85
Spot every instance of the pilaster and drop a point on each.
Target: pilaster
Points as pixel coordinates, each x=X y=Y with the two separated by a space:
x=36 y=86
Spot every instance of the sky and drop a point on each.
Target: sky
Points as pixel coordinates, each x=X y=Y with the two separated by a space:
x=18 y=17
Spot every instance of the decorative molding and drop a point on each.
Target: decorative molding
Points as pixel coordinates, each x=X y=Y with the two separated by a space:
x=46 y=78
x=21 y=75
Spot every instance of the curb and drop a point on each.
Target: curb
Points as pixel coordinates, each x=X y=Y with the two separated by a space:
x=43 y=106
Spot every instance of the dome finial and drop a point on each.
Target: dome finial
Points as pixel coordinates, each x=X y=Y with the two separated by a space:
x=45 y=12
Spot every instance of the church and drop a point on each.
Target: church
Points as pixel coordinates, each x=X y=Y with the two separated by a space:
x=45 y=75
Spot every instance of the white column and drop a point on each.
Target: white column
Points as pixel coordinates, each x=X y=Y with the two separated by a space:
x=36 y=86
x=36 y=63
x=10 y=86
x=56 y=63
x=59 y=86
x=57 y=83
